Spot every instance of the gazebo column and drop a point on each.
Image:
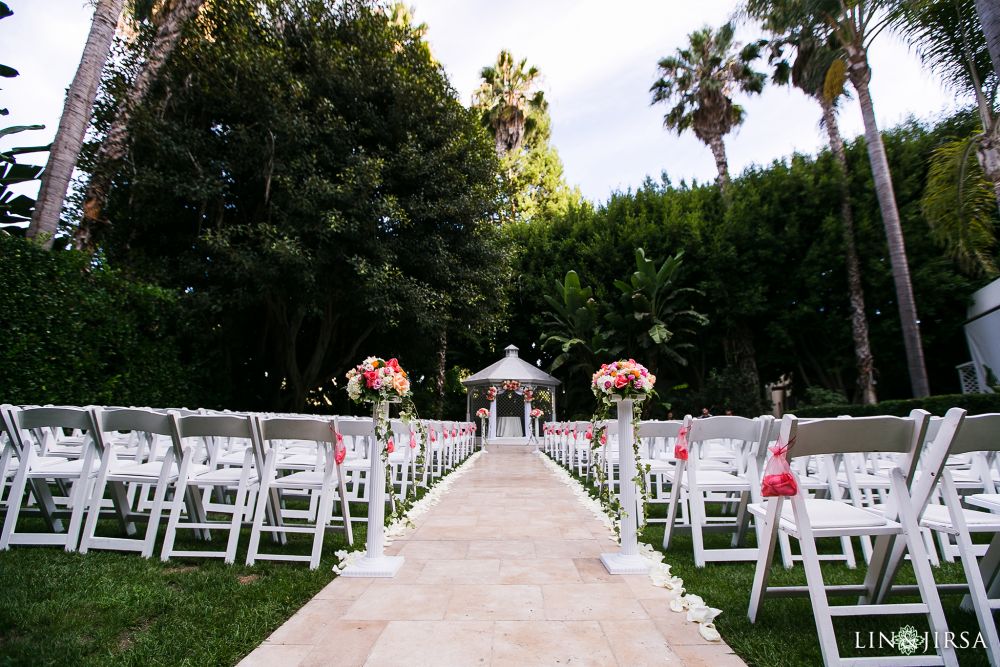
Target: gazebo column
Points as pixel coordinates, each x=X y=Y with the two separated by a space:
x=493 y=419
x=527 y=419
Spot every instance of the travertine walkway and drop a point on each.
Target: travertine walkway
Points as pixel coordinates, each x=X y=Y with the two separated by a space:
x=505 y=570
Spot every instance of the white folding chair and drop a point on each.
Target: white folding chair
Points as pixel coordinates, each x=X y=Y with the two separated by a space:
x=656 y=446
x=699 y=486
x=242 y=480
x=326 y=481
x=809 y=519
x=157 y=474
x=34 y=473
x=976 y=434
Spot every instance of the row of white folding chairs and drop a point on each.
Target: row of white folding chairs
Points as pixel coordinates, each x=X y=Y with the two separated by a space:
x=237 y=471
x=897 y=524
x=864 y=478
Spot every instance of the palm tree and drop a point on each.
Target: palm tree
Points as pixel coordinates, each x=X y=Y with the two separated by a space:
x=74 y=121
x=170 y=17
x=818 y=71
x=506 y=101
x=700 y=80
x=964 y=173
x=853 y=25
x=989 y=19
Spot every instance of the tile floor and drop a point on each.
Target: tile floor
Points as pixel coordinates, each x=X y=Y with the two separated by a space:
x=505 y=570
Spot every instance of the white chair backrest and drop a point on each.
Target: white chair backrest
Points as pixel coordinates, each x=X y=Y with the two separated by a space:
x=845 y=435
x=133 y=419
x=210 y=426
x=51 y=417
x=979 y=433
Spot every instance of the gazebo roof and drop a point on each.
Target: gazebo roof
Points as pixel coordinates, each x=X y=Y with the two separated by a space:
x=511 y=367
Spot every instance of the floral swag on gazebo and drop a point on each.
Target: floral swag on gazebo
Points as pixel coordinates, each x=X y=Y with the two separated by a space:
x=507 y=380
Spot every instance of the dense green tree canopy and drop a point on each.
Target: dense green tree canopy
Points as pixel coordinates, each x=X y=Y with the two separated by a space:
x=306 y=173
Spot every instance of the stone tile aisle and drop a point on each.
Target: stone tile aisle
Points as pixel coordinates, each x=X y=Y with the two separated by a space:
x=505 y=570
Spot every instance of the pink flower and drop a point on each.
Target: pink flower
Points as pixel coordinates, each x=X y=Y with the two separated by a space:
x=621 y=381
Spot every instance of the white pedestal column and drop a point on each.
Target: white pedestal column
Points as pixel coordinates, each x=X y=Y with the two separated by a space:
x=627 y=560
x=376 y=563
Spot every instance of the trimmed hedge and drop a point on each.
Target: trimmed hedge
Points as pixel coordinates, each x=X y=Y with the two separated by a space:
x=81 y=334
x=975 y=404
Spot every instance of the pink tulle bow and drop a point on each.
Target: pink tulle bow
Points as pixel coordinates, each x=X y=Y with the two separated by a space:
x=681 y=446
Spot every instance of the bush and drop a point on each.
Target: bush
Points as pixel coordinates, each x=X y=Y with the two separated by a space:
x=823 y=396
x=79 y=335
x=975 y=404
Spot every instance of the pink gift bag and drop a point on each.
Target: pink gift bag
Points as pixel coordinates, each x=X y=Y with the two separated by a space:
x=778 y=478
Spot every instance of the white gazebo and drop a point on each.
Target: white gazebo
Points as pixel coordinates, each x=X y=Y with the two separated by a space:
x=501 y=387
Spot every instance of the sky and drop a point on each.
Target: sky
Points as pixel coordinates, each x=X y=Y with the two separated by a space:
x=597 y=59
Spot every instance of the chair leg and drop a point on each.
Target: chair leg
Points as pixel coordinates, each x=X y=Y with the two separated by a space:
x=920 y=564
x=94 y=502
x=979 y=597
x=46 y=504
x=260 y=512
x=239 y=511
x=675 y=492
x=78 y=501
x=696 y=503
x=14 y=501
x=345 y=508
x=741 y=520
x=324 y=505
x=181 y=497
x=767 y=535
x=817 y=588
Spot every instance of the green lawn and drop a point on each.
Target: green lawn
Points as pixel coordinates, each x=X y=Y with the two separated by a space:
x=58 y=608
x=785 y=632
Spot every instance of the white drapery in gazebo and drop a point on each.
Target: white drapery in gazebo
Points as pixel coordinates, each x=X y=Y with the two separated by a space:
x=511 y=367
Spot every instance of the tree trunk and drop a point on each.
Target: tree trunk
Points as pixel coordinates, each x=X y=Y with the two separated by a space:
x=989 y=19
x=718 y=147
x=442 y=370
x=74 y=121
x=115 y=144
x=740 y=353
x=859 y=322
x=988 y=155
x=860 y=74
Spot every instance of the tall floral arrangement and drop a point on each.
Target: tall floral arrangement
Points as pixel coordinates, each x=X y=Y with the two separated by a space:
x=622 y=379
x=376 y=381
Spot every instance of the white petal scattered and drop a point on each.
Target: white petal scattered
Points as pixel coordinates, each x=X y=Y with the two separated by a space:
x=659 y=572
x=420 y=507
x=709 y=632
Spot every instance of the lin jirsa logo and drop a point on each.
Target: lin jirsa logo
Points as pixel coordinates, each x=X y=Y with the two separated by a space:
x=909 y=641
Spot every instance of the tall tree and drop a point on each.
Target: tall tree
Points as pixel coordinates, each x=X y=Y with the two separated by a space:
x=352 y=206
x=507 y=102
x=699 y=81
x=853 y=25
x=989 y=18
x=964 y=172
x=170 y=17
x=818 y=71
x=75 y=120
